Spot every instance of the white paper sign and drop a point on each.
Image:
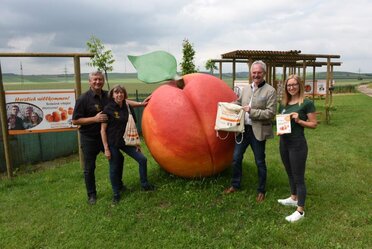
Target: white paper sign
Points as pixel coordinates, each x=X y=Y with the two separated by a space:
x=283 y=123
x=321 y=87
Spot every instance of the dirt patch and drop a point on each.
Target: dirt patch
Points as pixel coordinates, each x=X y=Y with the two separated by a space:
x=365 y=89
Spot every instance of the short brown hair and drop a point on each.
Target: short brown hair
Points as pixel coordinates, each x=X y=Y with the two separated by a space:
x=118 y=88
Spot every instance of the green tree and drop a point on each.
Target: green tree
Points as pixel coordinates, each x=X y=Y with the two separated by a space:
x=187 y=64
x=102 y=59
x=211 y=66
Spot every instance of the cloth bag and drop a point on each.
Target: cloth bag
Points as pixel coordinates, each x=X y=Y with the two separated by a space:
x=131 y=137
x=230 y=118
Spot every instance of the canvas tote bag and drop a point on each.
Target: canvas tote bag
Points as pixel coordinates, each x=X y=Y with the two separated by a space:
x=230 y=118
x=131 y=137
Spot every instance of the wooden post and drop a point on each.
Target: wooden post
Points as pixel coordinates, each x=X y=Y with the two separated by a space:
x=250 y=62
x=78 y=93
x=304 y=71
x=284 y=74
x=233 y=73
x=327 y=90
x=220 y=70
x=268 y=73
x=77 y=75
x=274 y=78
x=313 y=82
x=331 y=86
x=4 y=128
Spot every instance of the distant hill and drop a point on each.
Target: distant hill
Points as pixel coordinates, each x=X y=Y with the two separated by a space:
x=344 y=75
x=44 y=78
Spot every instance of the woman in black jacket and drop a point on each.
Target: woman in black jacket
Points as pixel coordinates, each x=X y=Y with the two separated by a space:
x=117 y=111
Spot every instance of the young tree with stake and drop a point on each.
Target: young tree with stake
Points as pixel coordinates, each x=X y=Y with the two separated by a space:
x=102 y=59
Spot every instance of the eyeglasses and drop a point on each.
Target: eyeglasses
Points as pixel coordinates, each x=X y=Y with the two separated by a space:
x=292 y=85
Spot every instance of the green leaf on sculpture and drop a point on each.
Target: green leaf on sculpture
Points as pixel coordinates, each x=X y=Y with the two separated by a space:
x=155 y=67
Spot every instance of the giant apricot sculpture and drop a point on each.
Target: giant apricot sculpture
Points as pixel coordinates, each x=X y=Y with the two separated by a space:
x=178 y=122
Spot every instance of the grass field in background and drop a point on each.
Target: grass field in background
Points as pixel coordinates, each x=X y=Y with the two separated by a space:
x=46 y=208
x=133 y=85
x=40 y=82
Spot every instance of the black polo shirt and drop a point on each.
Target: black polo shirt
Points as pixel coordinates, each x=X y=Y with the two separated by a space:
x=19 y=124
x=117 y=121
x=88 y=105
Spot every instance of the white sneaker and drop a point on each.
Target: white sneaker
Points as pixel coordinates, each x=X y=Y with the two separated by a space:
x=296 y=216
x=288 y=202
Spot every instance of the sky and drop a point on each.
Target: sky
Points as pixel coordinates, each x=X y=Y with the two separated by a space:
x=213 y=27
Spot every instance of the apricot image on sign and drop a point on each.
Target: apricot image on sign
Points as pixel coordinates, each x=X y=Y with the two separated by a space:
x=56 y=116
x=60 y=115
x=178 y=126
x=49 y=118
x=284 y=127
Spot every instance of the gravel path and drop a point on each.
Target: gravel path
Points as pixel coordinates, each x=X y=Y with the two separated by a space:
x=364 y=89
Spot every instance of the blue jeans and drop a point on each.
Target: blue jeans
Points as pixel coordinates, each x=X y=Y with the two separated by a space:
x=90 y=148
x=117 y=164
x=258 y=148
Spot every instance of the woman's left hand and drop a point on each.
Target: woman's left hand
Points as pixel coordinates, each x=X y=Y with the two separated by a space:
x=108 y=154
x=146 y=101
x=294 y=115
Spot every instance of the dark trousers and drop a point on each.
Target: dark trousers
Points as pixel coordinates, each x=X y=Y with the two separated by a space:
x=293 y=151
x=117 y=164
x=91 y=148
x=258 y=148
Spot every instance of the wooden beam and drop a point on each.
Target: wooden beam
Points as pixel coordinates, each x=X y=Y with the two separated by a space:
x=46 y=54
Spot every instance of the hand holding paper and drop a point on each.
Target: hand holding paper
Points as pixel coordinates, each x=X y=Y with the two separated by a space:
x=283 y=124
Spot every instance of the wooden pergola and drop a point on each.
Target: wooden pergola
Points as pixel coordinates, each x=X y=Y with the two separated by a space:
x=291 y=62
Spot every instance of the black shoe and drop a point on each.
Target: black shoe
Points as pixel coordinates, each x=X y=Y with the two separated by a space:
x=92 y=199
x=148 y=187
x=116 y=199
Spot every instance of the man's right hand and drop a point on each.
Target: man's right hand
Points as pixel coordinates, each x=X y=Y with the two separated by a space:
x=101 y=117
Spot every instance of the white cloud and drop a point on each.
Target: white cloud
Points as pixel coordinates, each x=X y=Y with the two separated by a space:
x=29 y=43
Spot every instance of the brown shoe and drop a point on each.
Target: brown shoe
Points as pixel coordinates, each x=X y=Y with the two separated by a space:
x=260 y=197
x=230 y=190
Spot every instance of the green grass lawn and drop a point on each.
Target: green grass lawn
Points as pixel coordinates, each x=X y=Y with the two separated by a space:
x=46 y=208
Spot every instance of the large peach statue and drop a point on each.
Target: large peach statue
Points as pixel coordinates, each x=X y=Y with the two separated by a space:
x=178 y=123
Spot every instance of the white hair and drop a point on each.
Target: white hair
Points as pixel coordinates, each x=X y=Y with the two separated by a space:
x=261 y=63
